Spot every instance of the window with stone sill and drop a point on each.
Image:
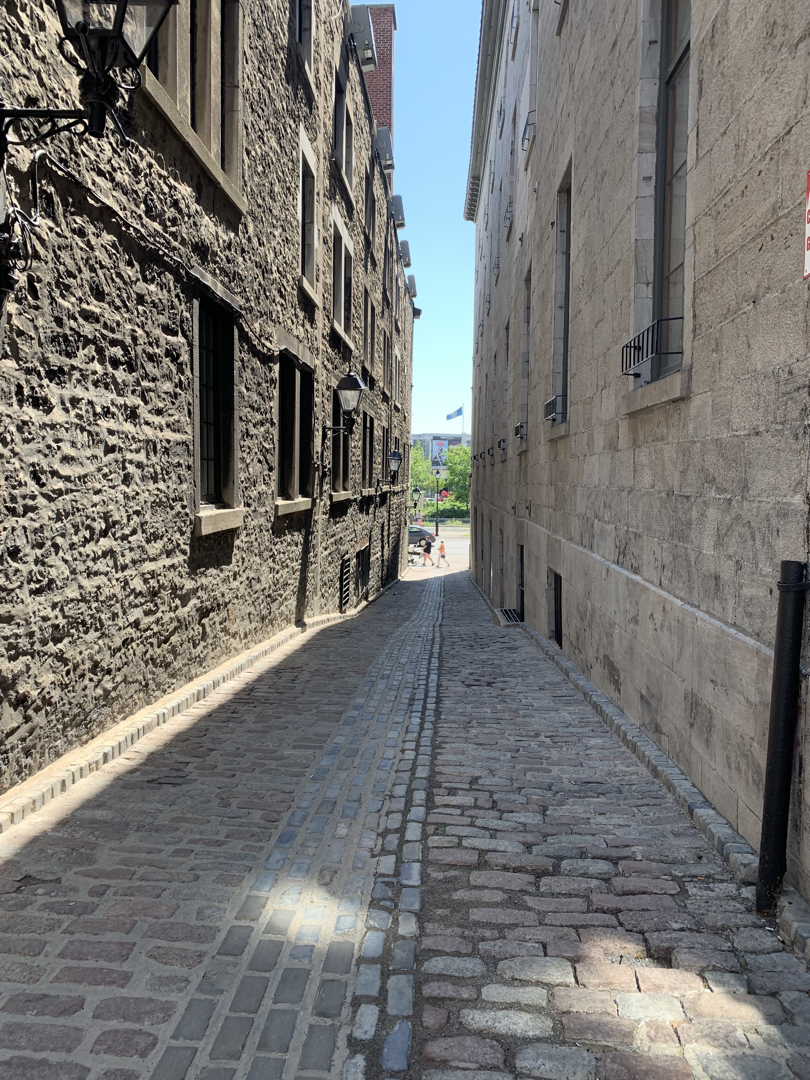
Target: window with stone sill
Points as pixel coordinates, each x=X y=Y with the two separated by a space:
x=295 y=429
x=303 y=29
x=307 y=221
x=670 y=225
x=342 y=269
x=196 y=58
x=341 y=449
x=343 y=132
x=370 y=207
x=214 y=350
x=368 y=451
x=397 y=378
x=369 y=332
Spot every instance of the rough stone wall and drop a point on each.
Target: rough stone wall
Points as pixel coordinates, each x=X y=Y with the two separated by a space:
x=108 y=600
x=665 y=510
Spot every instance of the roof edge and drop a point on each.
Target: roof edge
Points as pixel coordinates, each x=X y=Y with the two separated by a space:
x=493 y=18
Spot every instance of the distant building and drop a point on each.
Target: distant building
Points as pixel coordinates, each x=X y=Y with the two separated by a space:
x=435 y=445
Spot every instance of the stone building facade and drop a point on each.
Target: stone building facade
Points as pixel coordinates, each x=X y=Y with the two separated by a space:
x=641 y=358
x=171 y=491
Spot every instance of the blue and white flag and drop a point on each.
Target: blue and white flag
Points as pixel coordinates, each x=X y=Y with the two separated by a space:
x=453 y=415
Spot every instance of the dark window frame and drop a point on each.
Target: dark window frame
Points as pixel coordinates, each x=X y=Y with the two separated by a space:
x=216 y=423
x=295 y=427
x=675 y=60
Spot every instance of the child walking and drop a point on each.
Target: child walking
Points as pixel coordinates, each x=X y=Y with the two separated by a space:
x=442 y=555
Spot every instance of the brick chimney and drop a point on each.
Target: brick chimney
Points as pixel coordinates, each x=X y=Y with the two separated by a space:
x=381 y=81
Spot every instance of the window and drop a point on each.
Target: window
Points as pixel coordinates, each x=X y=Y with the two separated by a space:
x=369 y=331
x=341 y=449
x=303 y=29
x=368 y=451
x=343 y=132
x=387 y=372
x=397 y=298
x=295 y=409
x=370 y=207
x=342 y=264
x=668 y=291
x=198 y=64
x=562 y=302
x=505 y=397
x=214 y=351
x=525 y=358
x=307 y=221
x=397 y=377
x=386 y=446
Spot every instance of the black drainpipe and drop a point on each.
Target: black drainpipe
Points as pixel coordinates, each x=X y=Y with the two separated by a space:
x=781 y=733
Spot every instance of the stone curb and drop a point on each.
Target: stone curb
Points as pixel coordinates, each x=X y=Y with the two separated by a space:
x=730 y=846
x=79 y=764
x=793 y=916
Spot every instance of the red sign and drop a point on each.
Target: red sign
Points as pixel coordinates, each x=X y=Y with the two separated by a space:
x=807 y=231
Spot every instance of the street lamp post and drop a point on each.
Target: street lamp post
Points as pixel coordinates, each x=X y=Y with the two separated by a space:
x=437 y=474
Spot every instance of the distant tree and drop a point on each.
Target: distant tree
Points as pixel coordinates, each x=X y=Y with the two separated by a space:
x=458 y=474
x=420 y=469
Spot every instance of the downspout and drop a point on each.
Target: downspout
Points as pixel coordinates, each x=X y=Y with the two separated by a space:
x=781 y=733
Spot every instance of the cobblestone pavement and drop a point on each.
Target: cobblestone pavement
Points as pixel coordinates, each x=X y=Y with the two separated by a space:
x=402 y=846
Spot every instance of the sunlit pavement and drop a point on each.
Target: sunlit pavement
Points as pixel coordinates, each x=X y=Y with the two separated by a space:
x=403 y=845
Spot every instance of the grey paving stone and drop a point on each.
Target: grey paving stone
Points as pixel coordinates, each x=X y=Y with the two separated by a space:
x=277 y=1031
x=404 y=956
x=265 y=956
x=291 y=986
x=556 y=1062
x=410 y=900
x=465 y=967
x=507 y=1022
x=408 y=925
x=266 y=1068
x=235 y=941
x=217 y=1074
x=355 y=1068
x=551 y=970
x=318 y=1048
x=329 y=998
x=373 y=945
x=411 y=873
x=250 y=994
x=365 y=1023
x=231 y=1038
x=400 y=995
x=194 y=1021
x=743 y=1067
x=397 y=1048
x=279 y=922
x=251 y=908
x=339 y=957
x=174 y=1063
x=368 y=980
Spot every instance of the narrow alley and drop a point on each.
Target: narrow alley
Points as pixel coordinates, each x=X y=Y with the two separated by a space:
x=401 y=845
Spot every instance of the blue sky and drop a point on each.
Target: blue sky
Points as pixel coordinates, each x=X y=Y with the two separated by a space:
x=435 y=55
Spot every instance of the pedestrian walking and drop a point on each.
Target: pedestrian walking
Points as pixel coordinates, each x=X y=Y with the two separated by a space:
x=426 y=550
x=442 y=555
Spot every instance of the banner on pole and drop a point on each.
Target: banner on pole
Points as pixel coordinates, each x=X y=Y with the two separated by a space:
x=458 y=412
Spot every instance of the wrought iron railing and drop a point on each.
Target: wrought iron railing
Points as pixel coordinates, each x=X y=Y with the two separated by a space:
x=554 y=408
x=507 y=215
x=653 y=341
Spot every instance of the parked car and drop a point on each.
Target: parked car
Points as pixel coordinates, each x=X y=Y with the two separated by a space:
x=417 y=536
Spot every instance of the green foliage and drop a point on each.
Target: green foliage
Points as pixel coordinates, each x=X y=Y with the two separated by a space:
x=420 y=469
x=458 y=475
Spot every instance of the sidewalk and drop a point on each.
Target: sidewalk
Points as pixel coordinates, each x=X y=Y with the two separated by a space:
x=401 y=846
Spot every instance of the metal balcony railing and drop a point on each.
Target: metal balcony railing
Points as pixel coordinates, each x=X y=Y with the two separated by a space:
x=507 y=215
x=528 y=129
x=554 y=408
x=655 y=340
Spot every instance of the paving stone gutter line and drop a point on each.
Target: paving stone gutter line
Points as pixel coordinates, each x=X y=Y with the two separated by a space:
x=726 y=841
x=56 y=779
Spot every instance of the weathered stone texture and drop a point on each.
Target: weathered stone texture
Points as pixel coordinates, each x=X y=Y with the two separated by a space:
x=667 y=522
x=108 y=599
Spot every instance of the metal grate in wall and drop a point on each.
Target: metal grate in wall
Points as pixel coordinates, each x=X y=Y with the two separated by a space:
x=345 y=582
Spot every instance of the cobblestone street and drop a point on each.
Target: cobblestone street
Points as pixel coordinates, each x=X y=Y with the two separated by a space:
x=401 y=845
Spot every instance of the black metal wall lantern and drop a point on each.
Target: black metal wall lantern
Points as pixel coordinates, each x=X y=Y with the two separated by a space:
x=104 y=35
x=350 y=392
x=394 y=463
